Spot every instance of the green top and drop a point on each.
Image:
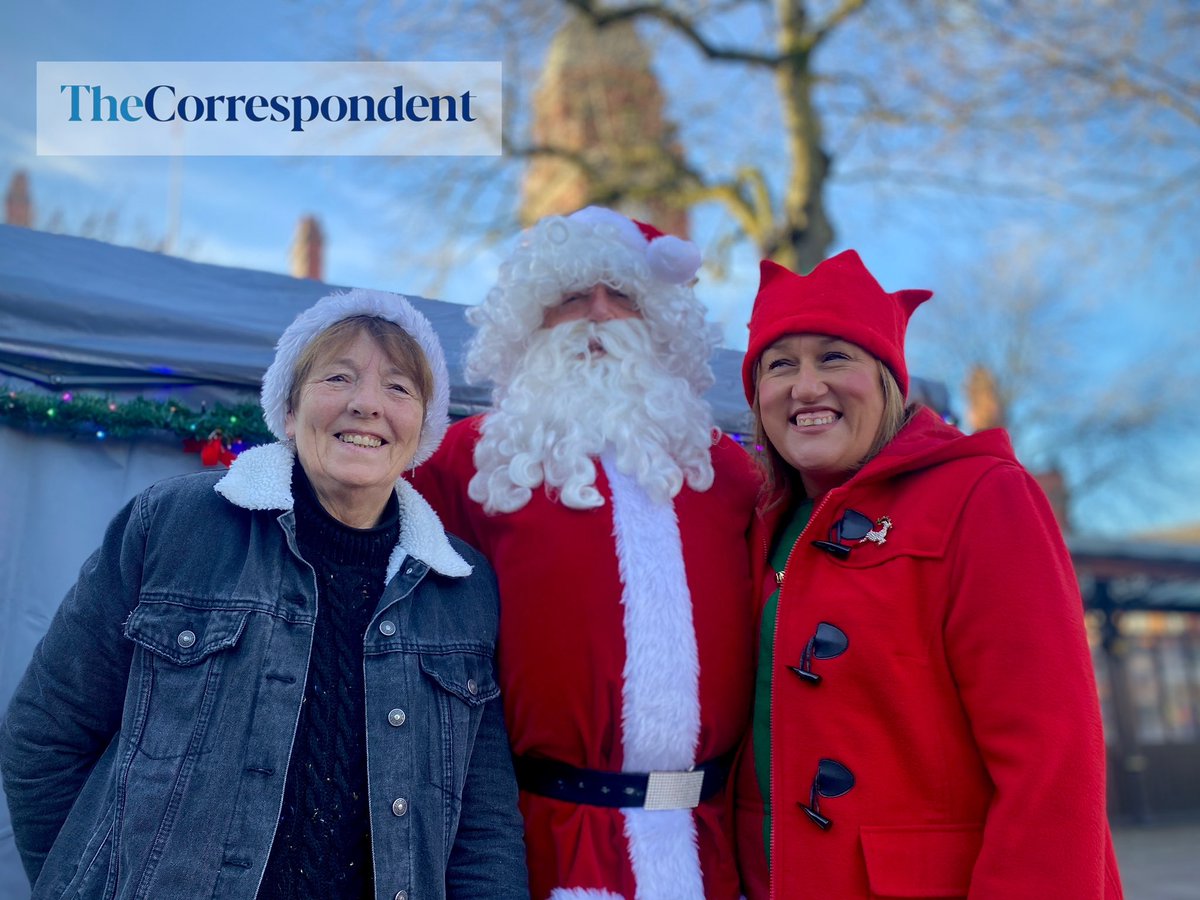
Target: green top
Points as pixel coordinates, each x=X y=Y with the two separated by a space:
x=766 y=659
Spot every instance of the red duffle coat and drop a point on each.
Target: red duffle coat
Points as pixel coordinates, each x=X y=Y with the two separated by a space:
x=964 y=705
x=564 y=665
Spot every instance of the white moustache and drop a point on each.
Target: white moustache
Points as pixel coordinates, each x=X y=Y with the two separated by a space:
x=619 y=339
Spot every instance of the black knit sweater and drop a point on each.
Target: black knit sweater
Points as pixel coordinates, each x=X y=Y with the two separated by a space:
x=322 y=846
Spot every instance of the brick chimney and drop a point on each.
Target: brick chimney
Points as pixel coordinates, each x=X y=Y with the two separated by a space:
x=599 y=100
x=308 y=250
x=1055 y=486
x=18 y=206
x=984 y=407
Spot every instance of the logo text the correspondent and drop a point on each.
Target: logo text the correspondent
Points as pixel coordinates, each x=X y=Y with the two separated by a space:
x=269 y=109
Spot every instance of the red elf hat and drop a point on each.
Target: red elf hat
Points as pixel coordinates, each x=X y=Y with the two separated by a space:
x=838 y=298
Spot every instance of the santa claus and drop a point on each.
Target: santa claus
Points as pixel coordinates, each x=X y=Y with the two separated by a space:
x=615 y=515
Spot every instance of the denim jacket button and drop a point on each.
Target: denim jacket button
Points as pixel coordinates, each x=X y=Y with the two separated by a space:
x=396 y=718
x=401 y=895
x=186 y=639
x=472 y=687
x=387 y=627
x=399 y=806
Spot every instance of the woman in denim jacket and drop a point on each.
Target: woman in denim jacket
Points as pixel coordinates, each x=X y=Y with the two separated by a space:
x=279 y=684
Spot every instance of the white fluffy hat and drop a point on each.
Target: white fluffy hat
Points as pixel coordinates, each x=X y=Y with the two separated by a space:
x=331 y=309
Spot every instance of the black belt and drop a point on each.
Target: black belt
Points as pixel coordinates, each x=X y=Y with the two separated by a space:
x=650 y=790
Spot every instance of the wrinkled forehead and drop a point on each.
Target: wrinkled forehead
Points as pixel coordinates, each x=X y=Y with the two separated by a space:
x=340 y=348
x=399 y=349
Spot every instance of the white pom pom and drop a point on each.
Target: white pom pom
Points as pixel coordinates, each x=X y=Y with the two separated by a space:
x=673 y=259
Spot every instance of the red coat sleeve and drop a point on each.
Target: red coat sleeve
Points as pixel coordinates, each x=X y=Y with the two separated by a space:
x=1017 y=649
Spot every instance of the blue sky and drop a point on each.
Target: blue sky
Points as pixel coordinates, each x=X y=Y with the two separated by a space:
x=244 y=211
x=233 y=211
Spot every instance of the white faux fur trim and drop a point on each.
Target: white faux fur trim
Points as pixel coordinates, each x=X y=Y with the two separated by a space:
x=423 y=537
x=583 y=894
x=661 y=692
x=671 y=259
x=623 y=227
x=261 y=478
x=331 y=309
x=660 y=716
x=665 y=852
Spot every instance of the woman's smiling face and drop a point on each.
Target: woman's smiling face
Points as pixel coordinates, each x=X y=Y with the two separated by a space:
x=357 y=424
x=821 y=403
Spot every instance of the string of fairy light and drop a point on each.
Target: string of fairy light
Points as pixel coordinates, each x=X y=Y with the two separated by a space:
x=103 y=417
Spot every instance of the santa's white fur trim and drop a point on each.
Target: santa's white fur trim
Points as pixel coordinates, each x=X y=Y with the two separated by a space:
x=621 y=226
x=583 y=894
x=261 y=478
x=669 y=258
x=673 y=259
x=665 y=853
x=660 y=699
x=331 y=309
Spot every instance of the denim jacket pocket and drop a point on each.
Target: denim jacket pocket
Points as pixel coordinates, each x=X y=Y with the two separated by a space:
x=463 y=684
x=466 y=675
x=178 y=674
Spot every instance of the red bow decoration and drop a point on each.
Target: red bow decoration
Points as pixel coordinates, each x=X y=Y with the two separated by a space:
x=213 y=451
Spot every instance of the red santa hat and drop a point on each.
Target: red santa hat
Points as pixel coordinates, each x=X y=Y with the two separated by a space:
x=328 y=311
x=561 y=254
x=839 y=298
x=670 y=259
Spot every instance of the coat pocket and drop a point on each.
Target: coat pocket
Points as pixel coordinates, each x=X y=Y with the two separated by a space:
x=920 y=861
x=467 y=676
x=179 y=673
x=82 y=870
x=95 y=876
x=462 y=684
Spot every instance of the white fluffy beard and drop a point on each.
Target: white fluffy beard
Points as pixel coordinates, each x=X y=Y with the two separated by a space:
x=568 y=400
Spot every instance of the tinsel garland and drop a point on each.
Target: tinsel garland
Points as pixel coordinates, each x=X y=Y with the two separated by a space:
x=103 y=417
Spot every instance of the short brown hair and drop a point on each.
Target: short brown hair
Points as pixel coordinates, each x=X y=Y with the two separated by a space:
x=401 y=349
x=782 y=479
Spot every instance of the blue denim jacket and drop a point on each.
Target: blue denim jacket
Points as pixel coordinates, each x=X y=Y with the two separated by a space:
x=145 y=751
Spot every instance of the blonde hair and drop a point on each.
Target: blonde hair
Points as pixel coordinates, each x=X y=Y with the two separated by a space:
x=781 y=479
x=400 y=347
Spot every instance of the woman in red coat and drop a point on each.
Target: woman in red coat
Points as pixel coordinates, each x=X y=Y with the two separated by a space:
x=926 y=719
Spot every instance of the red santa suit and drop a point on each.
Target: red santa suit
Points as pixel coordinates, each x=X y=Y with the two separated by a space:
x=625 y=645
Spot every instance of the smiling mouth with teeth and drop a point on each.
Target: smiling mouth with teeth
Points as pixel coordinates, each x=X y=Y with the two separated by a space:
x=802 y=420
x=360 y=440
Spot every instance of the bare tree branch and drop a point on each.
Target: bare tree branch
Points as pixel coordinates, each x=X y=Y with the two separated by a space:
x=681 y=23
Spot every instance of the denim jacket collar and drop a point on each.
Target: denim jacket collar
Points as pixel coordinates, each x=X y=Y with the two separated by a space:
x=261 y=478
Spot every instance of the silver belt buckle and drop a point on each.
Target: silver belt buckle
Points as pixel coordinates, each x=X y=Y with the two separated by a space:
x=673 y=790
